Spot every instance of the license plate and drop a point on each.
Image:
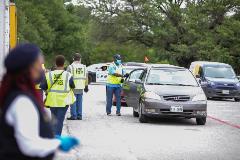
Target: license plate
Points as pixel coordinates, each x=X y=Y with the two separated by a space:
x=176 y=109
x=225 y=91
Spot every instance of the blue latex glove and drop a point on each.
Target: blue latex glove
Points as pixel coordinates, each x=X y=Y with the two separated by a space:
x=67 y=143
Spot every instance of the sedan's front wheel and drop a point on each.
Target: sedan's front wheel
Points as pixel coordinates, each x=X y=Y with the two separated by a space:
x=142 y=117
x=201 y=121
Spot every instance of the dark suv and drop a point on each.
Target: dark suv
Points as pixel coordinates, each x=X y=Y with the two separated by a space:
x=218 y=80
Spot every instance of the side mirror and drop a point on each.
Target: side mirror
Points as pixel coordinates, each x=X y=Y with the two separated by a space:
x=200 y=81
x=126 y=75
x=198 y=76
x=138 y=81
x=238 y=77
x=104 y=68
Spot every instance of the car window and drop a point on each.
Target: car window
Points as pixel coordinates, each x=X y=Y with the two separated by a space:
x=201 y=72
x=128 y=70
x=135 y=75
x=171 y=77
x=143 y=75
x=219 y=72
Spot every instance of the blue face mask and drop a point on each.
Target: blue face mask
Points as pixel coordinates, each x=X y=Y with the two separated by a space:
x=118 y=62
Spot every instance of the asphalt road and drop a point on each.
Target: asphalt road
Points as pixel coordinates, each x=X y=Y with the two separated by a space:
x=124 y=138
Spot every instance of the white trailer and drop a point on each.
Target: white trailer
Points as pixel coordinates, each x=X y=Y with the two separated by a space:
x=4 y=32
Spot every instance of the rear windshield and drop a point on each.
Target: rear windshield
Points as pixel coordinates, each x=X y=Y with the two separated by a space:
x=181 y=77
x=219 y=72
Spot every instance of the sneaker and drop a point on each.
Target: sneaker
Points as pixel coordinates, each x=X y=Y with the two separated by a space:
x=118 y=114
x=71 y=118
x=109 y=114
x=79 y=117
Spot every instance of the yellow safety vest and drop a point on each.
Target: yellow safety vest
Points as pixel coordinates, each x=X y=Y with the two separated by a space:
x=111 y=79
x=196 y=70
x=60 y=94
x=79 y=74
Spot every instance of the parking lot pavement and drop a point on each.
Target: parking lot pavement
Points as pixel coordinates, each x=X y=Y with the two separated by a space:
x=124 y=138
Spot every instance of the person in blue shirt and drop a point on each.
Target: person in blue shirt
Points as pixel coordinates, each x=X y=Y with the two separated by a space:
x=114 y=84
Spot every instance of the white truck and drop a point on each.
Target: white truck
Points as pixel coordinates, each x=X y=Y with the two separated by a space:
x=8 y=30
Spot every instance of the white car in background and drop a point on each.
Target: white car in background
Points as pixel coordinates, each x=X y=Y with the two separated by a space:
x=98 y=72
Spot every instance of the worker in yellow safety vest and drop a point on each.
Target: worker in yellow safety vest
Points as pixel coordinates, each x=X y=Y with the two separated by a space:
x=114 y=84
x=79 y=72
x=196 y=70
x=59 y=96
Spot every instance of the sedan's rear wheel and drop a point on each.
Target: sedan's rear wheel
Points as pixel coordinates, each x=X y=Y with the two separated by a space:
x=142 y=117
x=201 y=121
x=135 y=114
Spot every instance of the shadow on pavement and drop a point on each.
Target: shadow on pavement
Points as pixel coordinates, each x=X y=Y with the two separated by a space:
x=128 y=118
x=221 y=99
x=172 y=121
x=101 y=103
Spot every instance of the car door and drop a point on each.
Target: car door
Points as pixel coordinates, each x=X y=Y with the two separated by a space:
x=130 y=87
x=138 y=89
x=126 y=89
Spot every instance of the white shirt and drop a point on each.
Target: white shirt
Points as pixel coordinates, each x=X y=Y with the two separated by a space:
x=24 y=118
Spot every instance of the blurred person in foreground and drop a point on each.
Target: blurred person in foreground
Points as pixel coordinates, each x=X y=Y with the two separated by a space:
x=25 y=129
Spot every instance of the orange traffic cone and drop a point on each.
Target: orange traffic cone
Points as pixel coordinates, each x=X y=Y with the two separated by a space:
x=146 y=59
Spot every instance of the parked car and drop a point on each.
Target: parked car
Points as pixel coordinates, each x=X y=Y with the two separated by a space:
x=97 y=72
x=128 y=69
x=218 y=80
x=165 y=90
x=134 y=64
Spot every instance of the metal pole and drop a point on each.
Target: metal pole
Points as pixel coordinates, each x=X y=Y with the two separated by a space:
x=4 y=32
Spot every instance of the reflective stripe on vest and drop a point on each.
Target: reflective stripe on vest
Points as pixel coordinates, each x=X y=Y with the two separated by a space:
x=79 y=75
x=59 y=94
x=111 y=79
x=66 y=86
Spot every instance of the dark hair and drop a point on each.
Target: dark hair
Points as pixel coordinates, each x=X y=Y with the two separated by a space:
x=77 y=56
x=20 y=81
x=21 y=57
x=60 y=60
x=18 y=77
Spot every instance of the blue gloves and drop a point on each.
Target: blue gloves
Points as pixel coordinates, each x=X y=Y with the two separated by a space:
x=67 y=143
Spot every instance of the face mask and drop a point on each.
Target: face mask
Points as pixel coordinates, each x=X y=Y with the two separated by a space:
x=41 y=77
x=118 y=62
